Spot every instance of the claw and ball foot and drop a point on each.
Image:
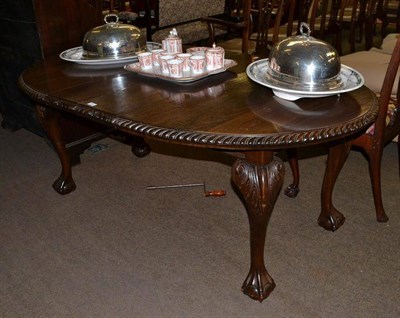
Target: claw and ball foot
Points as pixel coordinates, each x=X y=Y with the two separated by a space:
x=292 y=191
x=258 y=285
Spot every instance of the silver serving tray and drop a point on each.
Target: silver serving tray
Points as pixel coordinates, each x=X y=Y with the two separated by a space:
x=187 y=77
x=75 y=55
x=257 y=71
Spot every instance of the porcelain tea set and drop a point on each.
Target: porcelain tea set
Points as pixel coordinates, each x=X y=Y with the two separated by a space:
x=171 y=61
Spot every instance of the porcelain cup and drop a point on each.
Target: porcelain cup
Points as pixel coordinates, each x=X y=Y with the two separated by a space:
x=185 y=58
x=215 y=57
x=155 y=54
x=163 y=59
x=197 y=50
x=197 y=64
x=145 y=60
x=175 y=67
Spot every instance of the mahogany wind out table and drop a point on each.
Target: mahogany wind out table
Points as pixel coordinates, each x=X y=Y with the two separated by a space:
x=226 y=111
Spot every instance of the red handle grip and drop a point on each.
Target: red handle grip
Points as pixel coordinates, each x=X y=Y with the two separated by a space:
x=214 y=193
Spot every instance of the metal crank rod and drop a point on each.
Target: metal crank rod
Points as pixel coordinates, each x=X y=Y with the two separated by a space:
x=212 y=193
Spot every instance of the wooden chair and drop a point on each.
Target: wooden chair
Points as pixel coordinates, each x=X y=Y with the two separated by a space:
x=325 y=21
x=391 y=14
x=362 y=16
x=277 y=20
x=373 y=141
x=237 y=18
x=261 y=23
x=271 y=26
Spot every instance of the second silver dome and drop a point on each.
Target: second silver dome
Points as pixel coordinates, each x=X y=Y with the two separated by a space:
x=305 y=63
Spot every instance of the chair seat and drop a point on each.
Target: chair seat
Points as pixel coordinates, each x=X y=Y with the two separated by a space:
x=389 y=42
x=372 y=65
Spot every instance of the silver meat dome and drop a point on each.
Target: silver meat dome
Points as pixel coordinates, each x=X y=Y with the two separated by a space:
x=304 y=63
x=113 y=40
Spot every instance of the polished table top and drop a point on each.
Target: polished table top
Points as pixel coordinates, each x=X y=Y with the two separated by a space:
x=225 y=111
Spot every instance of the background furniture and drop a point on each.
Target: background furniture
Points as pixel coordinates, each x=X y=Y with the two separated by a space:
x=238 y=19
x=361 y=18
x=33 y=30
x=261 y=24
x=276 y=20
x=391 y=15
x=19 y=47
x=185 y=16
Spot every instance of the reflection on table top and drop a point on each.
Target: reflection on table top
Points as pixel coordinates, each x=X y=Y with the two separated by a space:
x=226 y=110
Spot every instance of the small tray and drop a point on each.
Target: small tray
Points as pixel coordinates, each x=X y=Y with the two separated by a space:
x=187 y=77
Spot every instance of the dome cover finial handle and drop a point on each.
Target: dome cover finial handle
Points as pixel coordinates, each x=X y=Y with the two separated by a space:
x=303 y=26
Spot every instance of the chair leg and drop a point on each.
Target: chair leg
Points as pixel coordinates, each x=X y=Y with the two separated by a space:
x=293 y=189
x=375 y=160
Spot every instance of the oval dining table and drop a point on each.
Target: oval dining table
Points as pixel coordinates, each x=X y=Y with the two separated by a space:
x=226 y=111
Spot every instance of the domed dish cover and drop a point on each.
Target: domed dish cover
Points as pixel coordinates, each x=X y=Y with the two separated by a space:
x=113 y=40
x=304 y=63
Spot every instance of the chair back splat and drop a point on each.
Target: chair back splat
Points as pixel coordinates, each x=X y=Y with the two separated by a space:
x=390 y=14
x=325 y=20
x=362 y=15
x=276 y=20
x=269 y=18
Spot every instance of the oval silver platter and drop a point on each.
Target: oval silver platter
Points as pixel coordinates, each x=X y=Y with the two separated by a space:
x=75 y=55
x=257 y=71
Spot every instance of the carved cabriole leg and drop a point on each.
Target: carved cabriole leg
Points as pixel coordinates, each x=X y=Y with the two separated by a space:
x=49 y=120
x=259 y=178
x=330 y=218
